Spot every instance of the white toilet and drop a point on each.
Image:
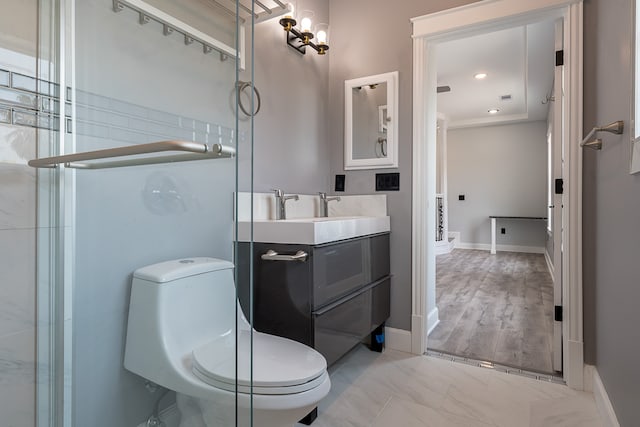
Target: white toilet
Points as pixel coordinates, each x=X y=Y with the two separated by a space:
x=182 y=335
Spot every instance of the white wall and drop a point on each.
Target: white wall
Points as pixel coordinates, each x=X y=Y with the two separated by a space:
x=501 y=170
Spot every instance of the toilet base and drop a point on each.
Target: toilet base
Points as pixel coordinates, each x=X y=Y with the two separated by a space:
x=310 y=417
x=196 y=412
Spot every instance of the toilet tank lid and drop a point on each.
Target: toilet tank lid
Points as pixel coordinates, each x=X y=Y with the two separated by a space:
x=180 y=268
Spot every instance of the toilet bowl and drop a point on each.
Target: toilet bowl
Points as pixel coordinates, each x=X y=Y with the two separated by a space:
x=187 y=332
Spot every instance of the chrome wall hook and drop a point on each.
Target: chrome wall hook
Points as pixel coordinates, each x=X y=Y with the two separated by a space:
x=548 y=99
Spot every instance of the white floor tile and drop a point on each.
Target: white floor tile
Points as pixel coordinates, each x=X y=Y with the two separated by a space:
x=399 y=389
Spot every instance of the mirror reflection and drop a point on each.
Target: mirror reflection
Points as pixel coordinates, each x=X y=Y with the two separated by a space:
x=371 y=122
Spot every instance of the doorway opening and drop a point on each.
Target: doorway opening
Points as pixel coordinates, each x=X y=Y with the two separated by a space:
x=470 y=20
x=494 y=166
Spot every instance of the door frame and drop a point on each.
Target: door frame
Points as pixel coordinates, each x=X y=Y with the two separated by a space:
x=475 y=18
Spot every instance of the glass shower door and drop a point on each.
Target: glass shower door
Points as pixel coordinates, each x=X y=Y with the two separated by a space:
x=131 y=74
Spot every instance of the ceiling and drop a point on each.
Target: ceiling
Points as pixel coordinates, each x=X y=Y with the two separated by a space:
x=518 y=62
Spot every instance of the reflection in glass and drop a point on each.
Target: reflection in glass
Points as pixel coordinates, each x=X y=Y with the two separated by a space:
x=370 y=121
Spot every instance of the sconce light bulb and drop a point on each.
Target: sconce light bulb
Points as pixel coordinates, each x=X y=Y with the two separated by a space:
x=305 y=25
x=322 y=37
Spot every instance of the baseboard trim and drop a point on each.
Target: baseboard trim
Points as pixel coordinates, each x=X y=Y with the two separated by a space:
x=170 y=416
x=502 y=248
x=418 y=334
x=549 y=263
x=456 y=239
x=432 y=320
x=442 y=248
x=588 y=377
x=398 y=339
x=605 y=408
x=574 y=365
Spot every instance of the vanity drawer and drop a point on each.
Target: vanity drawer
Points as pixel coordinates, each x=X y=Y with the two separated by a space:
x=339 y=269
x=341 y=327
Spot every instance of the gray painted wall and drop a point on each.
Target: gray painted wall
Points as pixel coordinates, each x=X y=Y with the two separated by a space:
x=291 y=147
x=501 y=170
x=379 y=41
x=18 y=30
x=611 y=210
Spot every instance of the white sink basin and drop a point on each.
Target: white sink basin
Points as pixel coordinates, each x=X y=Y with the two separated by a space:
x=312 y=231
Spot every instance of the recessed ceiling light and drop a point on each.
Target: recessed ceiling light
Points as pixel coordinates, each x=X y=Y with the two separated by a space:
x=480 y=76
x=493 y=111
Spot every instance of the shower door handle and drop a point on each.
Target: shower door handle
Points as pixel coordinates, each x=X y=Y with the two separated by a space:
x=272 y=255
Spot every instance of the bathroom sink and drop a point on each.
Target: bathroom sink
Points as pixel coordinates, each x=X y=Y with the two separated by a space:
x=312 y=231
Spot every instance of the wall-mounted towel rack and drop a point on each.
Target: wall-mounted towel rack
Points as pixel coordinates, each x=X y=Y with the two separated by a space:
x=170 y=24
x=616 y=128
x=268 y=12
x=79 y=160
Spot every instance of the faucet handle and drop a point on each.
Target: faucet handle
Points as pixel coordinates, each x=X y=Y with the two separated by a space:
x=278 y=192
x=322 y=195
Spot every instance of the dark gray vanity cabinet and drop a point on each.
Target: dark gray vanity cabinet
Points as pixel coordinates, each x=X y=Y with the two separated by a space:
x=330 y=301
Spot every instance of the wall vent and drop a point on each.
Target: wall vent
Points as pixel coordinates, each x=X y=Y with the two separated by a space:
x=505 y=98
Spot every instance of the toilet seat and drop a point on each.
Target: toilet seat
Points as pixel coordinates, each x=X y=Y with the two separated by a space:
x=280 y=365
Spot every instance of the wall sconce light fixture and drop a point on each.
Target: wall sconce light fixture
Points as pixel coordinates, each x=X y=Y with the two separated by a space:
x=300 y=38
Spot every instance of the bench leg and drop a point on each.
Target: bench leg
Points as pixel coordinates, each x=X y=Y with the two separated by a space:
x=493 y=236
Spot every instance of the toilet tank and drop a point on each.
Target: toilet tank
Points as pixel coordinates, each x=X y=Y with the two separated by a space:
x=175 y=307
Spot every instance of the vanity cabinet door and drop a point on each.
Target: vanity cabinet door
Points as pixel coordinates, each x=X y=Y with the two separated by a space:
x=281 y=294
x=339 y=269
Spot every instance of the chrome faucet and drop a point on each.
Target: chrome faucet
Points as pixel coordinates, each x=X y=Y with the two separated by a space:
x=280 y=203
x=324 y=203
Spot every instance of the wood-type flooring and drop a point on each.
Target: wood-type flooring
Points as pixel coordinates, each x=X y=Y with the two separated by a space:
x=495 y=307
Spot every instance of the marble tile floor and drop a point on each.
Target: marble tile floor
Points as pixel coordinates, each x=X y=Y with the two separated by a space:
x=396 y=389
x=495 y=307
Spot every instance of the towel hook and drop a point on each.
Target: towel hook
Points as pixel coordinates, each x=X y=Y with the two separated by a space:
x=241 y=87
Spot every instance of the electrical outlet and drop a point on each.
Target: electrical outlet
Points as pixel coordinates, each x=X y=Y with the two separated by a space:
x=388 y=181
x=340 y=181
x=461 y=197
x=503 y=230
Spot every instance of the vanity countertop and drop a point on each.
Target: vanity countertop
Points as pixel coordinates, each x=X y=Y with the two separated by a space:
x=312 y=231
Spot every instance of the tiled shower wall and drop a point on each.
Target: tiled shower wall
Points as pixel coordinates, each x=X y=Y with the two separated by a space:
x=17 y=229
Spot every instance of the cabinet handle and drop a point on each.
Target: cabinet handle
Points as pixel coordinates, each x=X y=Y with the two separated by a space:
x=272 y=255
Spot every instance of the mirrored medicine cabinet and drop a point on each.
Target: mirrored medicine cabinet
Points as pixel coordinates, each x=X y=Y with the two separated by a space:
x=371 y=122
